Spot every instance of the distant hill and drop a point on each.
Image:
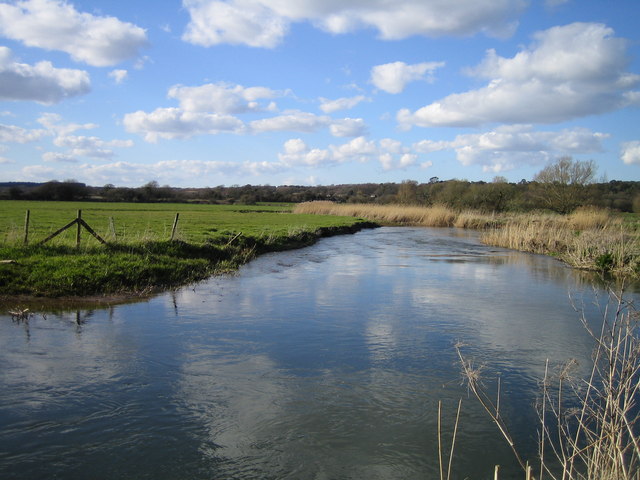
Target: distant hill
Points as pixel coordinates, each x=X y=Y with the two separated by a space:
x=19 y=184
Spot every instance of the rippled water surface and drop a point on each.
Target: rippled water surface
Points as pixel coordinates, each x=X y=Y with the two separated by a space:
x=321 y=363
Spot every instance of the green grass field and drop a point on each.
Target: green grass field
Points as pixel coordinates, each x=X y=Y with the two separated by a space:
x=140 y=256
x=140 y=222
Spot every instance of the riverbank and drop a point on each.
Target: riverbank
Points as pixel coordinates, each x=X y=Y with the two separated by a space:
x=118 y=273
x=589 y=239
x=208 y=240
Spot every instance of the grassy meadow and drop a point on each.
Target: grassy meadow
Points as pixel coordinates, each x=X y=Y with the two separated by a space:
x=589 y=238
x=139 y=255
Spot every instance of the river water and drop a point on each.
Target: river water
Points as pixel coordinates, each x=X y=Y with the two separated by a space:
x=326 y=362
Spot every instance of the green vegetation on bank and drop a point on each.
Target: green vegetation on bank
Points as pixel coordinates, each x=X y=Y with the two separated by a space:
x=139 y=256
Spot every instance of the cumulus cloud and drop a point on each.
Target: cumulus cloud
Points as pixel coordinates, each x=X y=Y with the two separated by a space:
x=42 y=82
x=92 y=147
x=348 y=127
x=391 y=154
x=345 y=103
x=58 y=157
x=174 y=172
x=305 y=122
x=119 y=75
x=265 y=23
x=568 y=72
x=296 y=152
x=170 y=123
x=393 y=77
x=52 y=122
x=630 y=153
x=213 y=108
x=237 y=22
x=222 y=98
x=508 y=147
x=14 y=134
x=294 y=121
x=57 y=25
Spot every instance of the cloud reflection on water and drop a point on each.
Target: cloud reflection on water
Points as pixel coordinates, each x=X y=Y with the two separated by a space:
x=323 y=362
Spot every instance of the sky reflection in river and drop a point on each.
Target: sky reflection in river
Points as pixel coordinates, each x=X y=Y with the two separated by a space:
x=325 y=362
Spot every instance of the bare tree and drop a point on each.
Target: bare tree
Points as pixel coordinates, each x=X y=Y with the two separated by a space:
x=567 y=171
x=562 y=183
x=408 y=192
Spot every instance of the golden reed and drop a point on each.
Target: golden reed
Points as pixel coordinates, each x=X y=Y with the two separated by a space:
x=589 y=238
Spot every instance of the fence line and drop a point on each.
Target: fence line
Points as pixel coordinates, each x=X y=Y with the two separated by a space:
x=80 y=224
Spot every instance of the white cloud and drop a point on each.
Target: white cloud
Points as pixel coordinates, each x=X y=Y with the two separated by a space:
x=12 y=133
x=222 y=98
x=293 y=121
x=172 y=123
x=393 y=77
x=569 y=72
x=305 y=122
x=173 y=172
x=348 y=127
x=58 y=157
x=237 y=22
x=508 y=147
x=264 y=23
x=296 y=152
x=390 y=153
x=119 y=75
x=359 y=149
x=56 y=25
x=345 y=103
x=92 y=147
x=40 y=173
x=630 y=153
x=42 y=82
x=51 y=121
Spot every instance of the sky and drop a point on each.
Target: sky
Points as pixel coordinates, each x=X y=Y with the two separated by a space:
x=198 y=93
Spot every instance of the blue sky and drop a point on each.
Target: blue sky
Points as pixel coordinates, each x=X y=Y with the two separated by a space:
x=198 y=93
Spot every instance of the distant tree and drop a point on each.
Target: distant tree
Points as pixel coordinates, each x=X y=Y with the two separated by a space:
x=408 y=192
x=15 y=193
x=64 y=191
x=567 y=171
x=636 y=204
x=499 y=179
x=562 y=183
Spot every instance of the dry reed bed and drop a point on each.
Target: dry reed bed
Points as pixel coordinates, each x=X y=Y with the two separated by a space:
x=589 y=238
x=588 y=426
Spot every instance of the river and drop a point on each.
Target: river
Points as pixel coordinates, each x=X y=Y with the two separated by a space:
x=326 y=362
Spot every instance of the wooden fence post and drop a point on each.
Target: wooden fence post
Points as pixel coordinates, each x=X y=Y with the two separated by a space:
x=175 y=225
x=26 y=228
x=78 y=219
x=112 y=228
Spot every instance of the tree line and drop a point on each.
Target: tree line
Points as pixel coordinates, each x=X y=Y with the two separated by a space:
x=562 y=186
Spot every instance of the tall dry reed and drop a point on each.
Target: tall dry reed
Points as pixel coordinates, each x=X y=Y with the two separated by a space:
x=589 y=238
x=589 y=427
x=435 y=216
